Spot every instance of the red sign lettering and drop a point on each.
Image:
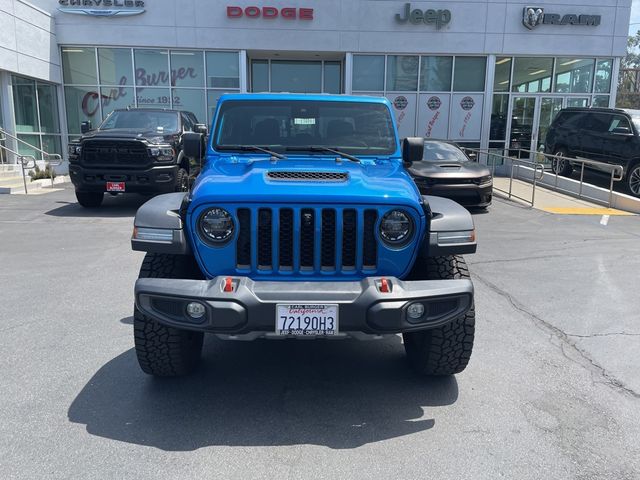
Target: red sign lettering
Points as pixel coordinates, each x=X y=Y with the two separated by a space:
x=288 y=13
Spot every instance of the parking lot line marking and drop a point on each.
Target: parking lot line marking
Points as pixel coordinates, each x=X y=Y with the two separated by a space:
x=604 y=220
x=585 y=211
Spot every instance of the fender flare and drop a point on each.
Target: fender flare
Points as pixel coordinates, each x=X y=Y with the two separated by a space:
x=447 y=216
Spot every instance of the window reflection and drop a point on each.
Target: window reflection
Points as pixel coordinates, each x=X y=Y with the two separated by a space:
x=435 y=74
x=532 y=74
x=573 y=75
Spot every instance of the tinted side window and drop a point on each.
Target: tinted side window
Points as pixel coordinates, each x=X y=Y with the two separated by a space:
x=596 y=122
x=619 y=121
x=187 y=123
x=569 y=120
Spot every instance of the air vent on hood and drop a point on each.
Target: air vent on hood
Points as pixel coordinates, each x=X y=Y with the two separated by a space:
x=302 y=176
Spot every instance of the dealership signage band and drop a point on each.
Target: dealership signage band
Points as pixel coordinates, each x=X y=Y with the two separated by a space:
x=439 y=18
x=288 y=13
x=534 y=16
x=102 y=8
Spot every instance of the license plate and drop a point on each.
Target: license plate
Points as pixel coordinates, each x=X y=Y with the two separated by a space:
x=306 y=319
x=115 y=186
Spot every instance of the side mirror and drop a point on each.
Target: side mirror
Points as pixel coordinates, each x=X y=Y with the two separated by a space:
x=621 y=131
x=201 y=128
x=473 y=156
x=86 y=127
x=192 y=145
x=412 y=150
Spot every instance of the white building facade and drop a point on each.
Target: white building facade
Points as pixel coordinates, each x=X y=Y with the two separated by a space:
x=489 y=74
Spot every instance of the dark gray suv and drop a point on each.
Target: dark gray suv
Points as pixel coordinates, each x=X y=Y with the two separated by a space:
x=608 y=135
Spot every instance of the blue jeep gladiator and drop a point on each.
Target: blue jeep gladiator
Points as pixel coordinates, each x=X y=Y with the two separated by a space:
x=303 y=223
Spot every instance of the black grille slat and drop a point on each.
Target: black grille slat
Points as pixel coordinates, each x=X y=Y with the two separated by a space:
x=306 y=176
x=114 y=152
x=328 y=240
x=286 y=239
x=243 y=250
x=307 y=238
x=349 y=235
x=369 y=245
x=264 y=239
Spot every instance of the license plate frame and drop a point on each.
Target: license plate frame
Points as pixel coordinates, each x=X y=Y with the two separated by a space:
x=300 y=319
x=115 y=186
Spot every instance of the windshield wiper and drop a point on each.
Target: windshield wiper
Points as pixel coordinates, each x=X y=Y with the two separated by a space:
x=322 y=148
x=252 y=148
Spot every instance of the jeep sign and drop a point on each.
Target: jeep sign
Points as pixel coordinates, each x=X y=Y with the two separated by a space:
x=439 y=18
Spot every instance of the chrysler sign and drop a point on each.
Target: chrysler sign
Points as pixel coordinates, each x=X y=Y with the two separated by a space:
x=102 y=8
x=534 y=16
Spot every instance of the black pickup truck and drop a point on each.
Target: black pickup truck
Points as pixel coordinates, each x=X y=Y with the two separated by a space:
x=132 y=151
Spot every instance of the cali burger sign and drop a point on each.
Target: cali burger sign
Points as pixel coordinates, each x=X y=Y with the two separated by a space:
x=288 y=13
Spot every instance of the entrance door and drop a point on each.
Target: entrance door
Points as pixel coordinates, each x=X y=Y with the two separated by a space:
x=523 y=132
x=549 y=108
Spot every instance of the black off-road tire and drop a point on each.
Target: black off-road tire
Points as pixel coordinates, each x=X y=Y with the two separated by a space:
x=166 y=351
x=444 y=350
x=561 y=167
x=182 y=180
x=90 y=199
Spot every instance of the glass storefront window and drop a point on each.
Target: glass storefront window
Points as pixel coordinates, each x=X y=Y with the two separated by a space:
x=82 y=104
x=368 y=73
x=296 y=76
x=153 y=98
x=259 y=75
x=574 y=75
x=114 y=98
x=600 y=101
x=332 y=77
x=48 y=103
x=79 y=66
x=191 y=100
x=577 y=102
x=115 y=66
x=603 y=76
x=33 y=142
x=25 y=104
x=52 y=144
x=187 y=69
x=402 y=73
x=469 y=74
x=532 y=74
x=435 y=74
x=212 y=103
x=499 y=115
x=502 y=74
x=223 y=70
x=152 y=67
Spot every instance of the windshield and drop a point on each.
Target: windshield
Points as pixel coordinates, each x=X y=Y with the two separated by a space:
x=137 y=120
x=443 y=152
x=357 y=128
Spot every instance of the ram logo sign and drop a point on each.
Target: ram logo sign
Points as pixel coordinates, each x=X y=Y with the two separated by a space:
x=534 y=16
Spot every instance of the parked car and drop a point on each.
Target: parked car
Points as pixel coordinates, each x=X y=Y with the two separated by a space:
x=304 y=223
x=607 y=135
x=445 y=170
x=132 y=151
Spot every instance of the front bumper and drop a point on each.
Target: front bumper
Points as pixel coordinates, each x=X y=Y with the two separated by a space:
x=156 y=179
x=468 y=195
x=250 y=309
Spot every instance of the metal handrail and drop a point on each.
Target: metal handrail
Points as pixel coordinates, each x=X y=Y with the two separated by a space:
x=52 y=159
x=538 y=172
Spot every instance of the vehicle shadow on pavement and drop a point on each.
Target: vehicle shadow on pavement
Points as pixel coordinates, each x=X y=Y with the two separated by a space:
x=338 y=394
x=112 y=207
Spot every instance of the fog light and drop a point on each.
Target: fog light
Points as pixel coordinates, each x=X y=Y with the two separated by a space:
x=415 y=311
x=195 y=310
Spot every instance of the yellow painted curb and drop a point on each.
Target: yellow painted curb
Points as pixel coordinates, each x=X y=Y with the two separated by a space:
x=585 y=211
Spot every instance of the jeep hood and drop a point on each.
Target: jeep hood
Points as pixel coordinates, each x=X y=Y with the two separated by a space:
x=238 y=179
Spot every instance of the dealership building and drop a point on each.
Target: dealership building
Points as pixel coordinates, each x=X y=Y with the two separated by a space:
x=471 y=71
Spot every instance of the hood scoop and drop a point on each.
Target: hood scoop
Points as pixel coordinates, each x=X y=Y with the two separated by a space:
x=450 y=166
x=307 y=176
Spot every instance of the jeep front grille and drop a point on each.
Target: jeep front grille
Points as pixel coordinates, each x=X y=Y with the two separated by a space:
x=306 y=240
x=121 y=153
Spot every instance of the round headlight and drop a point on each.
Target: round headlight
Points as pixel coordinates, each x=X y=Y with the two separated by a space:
x=396 y=228
x=216 y=225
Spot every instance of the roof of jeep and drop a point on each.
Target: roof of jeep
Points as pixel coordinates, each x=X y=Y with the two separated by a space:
x=303 y=96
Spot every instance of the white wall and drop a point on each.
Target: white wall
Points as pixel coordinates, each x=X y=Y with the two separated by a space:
x=477 y=26
x=28 y=44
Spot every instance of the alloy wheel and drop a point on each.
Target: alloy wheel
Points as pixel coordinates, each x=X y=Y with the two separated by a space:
x=634 y=180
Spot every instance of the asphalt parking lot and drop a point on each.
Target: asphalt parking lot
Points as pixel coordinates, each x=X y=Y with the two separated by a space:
x=552 y=390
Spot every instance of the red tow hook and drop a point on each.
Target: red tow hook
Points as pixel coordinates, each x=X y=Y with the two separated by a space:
x=384 y=286
x=228 y=285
